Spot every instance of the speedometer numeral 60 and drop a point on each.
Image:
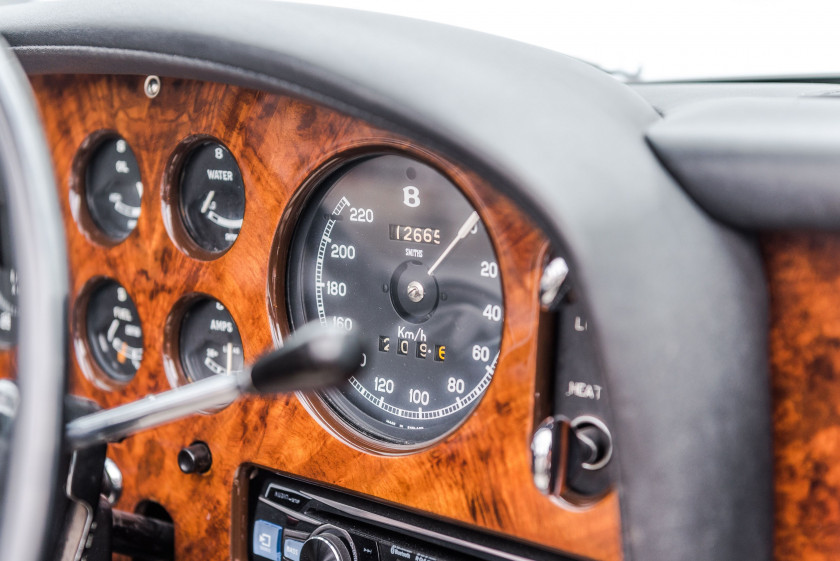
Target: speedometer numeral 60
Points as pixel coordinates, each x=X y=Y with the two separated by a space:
x=480 y=353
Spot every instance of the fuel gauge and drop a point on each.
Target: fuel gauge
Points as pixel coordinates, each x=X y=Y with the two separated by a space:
x=114 y=334
x=209 y=341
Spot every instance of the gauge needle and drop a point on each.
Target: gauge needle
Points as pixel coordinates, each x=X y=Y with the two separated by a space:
x=207 y=202
x=112 y=330
x=121 y=353
x=463 y=232
x=229 y=364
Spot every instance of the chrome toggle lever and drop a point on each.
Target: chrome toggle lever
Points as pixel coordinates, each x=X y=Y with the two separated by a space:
x=313 y=358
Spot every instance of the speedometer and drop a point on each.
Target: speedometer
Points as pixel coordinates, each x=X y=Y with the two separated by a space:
x=388 y=247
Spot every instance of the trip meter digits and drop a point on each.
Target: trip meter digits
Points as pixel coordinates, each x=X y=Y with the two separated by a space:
x=388 y=247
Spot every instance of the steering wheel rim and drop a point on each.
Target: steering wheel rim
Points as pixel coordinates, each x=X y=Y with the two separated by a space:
x=39 y=248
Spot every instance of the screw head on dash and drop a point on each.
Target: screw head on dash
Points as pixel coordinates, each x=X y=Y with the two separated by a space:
x=151 y=86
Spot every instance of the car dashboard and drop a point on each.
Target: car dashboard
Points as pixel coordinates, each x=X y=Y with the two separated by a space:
x=597 y=319
x=279 y=144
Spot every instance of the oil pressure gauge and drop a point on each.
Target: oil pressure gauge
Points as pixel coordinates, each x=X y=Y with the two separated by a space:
x=211 y=197
x=209 y=341
x=113 y=189
x=114 y=334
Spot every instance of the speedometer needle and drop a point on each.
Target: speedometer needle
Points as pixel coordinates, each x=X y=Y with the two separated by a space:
x=463 y=232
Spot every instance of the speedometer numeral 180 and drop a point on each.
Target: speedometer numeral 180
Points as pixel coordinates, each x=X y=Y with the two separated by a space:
x=389 y=248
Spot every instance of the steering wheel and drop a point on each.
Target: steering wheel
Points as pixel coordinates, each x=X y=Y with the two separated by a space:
x=40 y=255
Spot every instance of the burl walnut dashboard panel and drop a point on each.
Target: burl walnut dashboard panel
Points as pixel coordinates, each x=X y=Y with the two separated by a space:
x=480 y=475
x=805 y=360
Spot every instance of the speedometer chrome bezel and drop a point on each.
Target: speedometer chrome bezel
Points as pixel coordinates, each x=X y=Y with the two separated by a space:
x=317 y=404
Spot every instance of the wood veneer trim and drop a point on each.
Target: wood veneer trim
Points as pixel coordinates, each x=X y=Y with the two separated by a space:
x=480 y=475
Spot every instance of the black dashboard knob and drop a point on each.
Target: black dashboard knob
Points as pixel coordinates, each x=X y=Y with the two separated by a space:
x=325 y=547
x=195 y=458
x=594 y=446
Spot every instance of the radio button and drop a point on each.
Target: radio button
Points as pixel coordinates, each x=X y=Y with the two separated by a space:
x=291 y=549
x=365 y=548
x=267 y=538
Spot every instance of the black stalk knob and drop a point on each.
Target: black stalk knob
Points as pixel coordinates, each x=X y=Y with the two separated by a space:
x=314 y=358
x=195 y=458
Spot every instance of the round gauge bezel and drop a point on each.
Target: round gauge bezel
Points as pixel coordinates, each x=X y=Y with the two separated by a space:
x=170 y=192
x=352 y=432
x=84 y=354
x=173 y=367
x=77 y=193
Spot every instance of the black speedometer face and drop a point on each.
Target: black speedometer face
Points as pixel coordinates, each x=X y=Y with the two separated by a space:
x=390 y=248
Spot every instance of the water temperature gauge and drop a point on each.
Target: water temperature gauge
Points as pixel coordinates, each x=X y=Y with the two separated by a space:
x=209 y=341
x=212 y=197
x=114 y=334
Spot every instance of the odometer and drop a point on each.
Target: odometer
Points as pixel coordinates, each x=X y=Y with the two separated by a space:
x=388 y=247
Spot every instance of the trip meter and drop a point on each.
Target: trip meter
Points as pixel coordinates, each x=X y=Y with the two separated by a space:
x=389 y=248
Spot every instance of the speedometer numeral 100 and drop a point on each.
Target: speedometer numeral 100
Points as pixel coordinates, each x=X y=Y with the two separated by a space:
x=390 y=249
x=418 y=396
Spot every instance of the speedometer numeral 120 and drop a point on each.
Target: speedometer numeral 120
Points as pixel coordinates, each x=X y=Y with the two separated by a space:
x=389 y=248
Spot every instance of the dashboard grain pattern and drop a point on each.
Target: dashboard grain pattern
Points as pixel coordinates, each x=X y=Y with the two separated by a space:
x=804 y=278
x=480 y=475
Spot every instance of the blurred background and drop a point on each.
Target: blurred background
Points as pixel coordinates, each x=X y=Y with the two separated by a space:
x=654 y=39
x=649 y=40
